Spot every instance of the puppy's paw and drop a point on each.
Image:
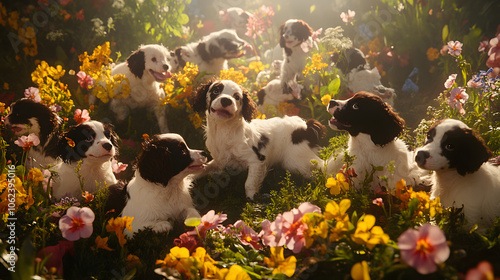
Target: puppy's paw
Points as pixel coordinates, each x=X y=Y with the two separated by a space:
x=250 y=193
x=162 y=226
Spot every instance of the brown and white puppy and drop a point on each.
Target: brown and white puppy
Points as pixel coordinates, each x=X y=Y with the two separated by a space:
x=212 y=51
x=160 y=189
x=294 y=34
x=145 y=69
x=462 y=174
x=236 y=140
x=373 y=128
x=27 y=116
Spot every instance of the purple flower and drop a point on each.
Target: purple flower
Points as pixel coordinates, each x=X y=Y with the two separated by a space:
x=33 y=93
x=422 y=249
x=455 y=48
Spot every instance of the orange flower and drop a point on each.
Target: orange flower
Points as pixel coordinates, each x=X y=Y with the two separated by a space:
x=432 y=54
x=102 y=243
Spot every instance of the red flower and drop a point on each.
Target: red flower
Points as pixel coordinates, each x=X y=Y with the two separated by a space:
x=58 y=251
x=188 y=240
x=79 y=15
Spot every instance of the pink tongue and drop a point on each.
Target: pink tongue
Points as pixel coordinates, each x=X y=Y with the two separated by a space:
x=160 y=77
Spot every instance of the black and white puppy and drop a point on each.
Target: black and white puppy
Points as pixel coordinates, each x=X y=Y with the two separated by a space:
x=27 y=116
x=160 y=191
x=145 y=69
x=212 y=51
x=293 y=34
x=373 y=128
x=272 y=93
x=462 y=176
x=352 y=62
x=234 y=139
x=94 y=144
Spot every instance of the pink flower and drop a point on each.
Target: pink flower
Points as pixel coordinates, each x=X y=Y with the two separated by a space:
x=65 y=2
x=56 y=253
x=450 y=81
x=77 y=223
x=84 y=80
x=268 y=235
x=247 y=235
x=292 y=227
x=458 y=96
x=79 y=15
x=483 y=46
x=210 y=221
x=474 y=84
x=494 y=56
x=118 y=167
x=260 y=22
x=378 y=201
x=422 y=249
x=444 y=50
x=484 y=270
x=347 y=17
x=455 y=48
x=26 y=142
x=81 y=116
x=33 y=93
x=46 y=177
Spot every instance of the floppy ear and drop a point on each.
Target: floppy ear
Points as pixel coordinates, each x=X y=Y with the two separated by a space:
x=200 y=99
x=113 y=137
x=356 y=59
x=180 y=59
x=474 y=155
x=215 y=51
x=71 y=147
x=389 y=127
x=303 y=30
x=137 y=63
x=282 y=32
x=202 y=50
x=249 y=106
x=155 y=163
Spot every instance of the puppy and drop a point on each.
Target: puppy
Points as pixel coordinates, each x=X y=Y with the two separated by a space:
x=159 y=192
x=359 y=77
x=212 y=51
x=272 y=93
x=27 y=116
x=294 y=34
x=462 y=176
x=373 y=128
x=235 y=18
x=145 y=69
x=94 y=144
x=235 y=139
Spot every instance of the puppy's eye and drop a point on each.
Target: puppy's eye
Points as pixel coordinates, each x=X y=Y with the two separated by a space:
x=90 y=138
x=449 y=147
x=153 y=59
x=236 y=96
x=355 y=106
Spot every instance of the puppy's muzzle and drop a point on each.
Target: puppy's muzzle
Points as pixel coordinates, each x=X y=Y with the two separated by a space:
x=421 y=158
x=225 y=102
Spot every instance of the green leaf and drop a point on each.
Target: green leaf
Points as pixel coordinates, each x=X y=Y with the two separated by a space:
x=312 y=8
x=24 y=266
x=445 y=33
x=192 y=222
x=333 y=86
x=183 y=19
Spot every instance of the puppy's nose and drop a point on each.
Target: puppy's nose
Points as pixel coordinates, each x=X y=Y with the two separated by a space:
x=107 y=146
x=225 y=102
x=422 y=157
x=165 y=67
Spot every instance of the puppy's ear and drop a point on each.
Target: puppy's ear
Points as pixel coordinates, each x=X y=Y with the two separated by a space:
x=356 y=59
x=137 y=63
x=390 y=126
x=215 y=51
x=282 y=32
x=155 y=163
x=302 y=30
x=113 y=137
x=178 y=53
x=72 y=145
x=200 y=98
x=249 y=106
x=202 y=50
x=261 y=94
x=474 y=153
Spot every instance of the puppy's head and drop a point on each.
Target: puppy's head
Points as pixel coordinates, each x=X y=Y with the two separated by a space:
x=222 y=44
x=91 y=141
x=366 y=113
x=292 y=33
x=452 y=144
x=167 y=156
x=175 y=59
x=349 y=59
x=152 y=61
x=224 y=100
x=27 y=116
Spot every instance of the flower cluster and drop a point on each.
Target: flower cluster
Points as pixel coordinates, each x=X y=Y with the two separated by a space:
x=23 y=195
x=260 y=22
x=315 y=65
x=51 y=90
x=426 y=206
x=25 y=33
x=95 y=73
x=233 y=75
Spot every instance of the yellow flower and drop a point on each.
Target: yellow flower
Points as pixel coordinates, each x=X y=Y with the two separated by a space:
x=279 y=263
x=35 y=175
x=368 y=234
x=14 y=20
x=338 y=212
x=360 y=271
x=316 y=226
x=337 y=184
x=6 y=86
x=236 y=272
x=326 y=99
x=2 y=108
x=56 y=72
x=315 y=65
x=195 y=120
x=21 y=198
x=118 y=225
x=432 y=54
x=231 y=74
x=257 y=66
x=102 y=243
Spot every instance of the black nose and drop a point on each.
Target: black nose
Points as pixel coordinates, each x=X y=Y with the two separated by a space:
x=203 y=154
x=332 y=104
x=225 y=102
x=421 y=157
x=107 y=146
x=165 y=67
